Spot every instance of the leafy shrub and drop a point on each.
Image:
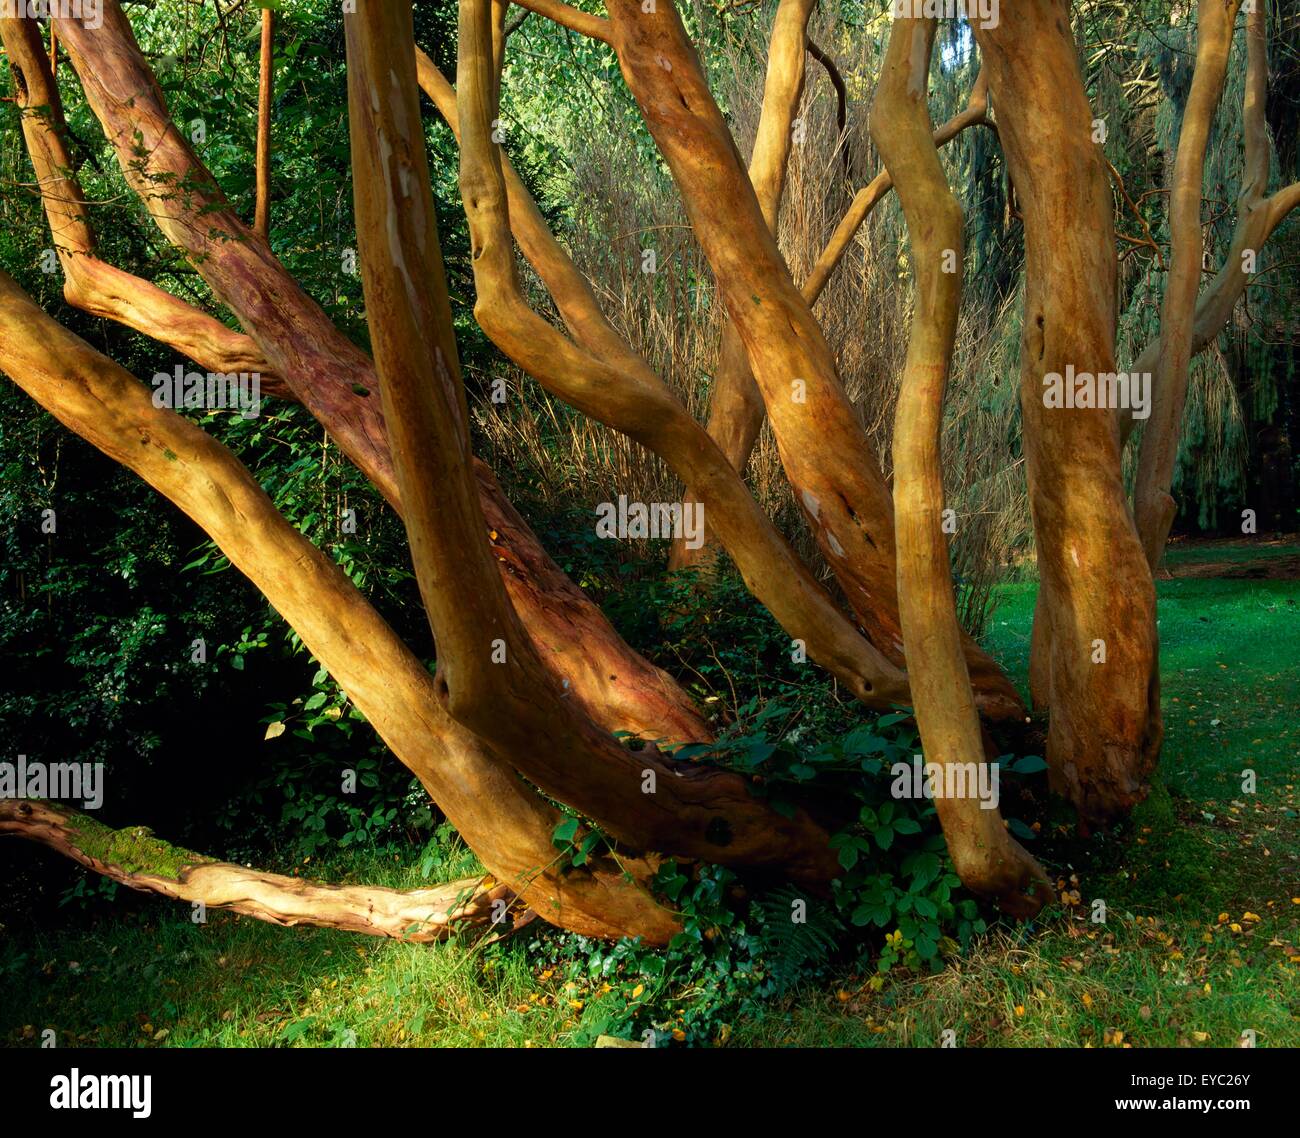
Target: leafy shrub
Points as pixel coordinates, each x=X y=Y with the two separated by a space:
x=896 y=906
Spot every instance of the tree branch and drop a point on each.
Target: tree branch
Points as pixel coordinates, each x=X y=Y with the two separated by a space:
x=1153 y=501
x=266 y=77
x=503 y=820
x=576 y=20
x=604 y=378
x=91 y=284
x=835 y=477
x=336 y=381
x=135 y=858
x=1257 y=216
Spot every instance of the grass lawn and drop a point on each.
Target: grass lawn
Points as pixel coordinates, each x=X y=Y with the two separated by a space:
x=1201 y=889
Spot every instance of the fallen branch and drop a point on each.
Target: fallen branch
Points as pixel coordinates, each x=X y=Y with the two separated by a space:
x=133 y=857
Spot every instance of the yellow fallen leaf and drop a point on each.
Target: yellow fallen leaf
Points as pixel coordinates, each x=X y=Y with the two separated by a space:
x=636 y=992
x=1087 y=1000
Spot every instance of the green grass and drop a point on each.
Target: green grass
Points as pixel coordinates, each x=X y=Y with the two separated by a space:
x=1178 y=961
x=1199 y=553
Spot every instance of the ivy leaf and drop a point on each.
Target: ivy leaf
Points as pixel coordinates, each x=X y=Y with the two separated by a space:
x=869 y=913
x=564 y=832
x=864 y=741
x=923 y=867
x=1017 y=827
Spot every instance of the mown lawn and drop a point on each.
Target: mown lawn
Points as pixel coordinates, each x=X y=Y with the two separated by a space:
x=1201 y=889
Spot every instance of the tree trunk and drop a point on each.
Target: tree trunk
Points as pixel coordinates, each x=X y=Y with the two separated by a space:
x=988 y=860
x=1152 y=500
x=336 y=382
x=507 y=824
x=824 y=451
x=1097 y=652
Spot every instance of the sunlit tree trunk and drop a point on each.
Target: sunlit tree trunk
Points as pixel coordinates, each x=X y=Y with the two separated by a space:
x=1095 y=637
x=532 y=681
x=987 y=858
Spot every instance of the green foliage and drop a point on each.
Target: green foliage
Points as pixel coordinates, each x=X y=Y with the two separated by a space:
x=334 y=783
x=896 y=909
